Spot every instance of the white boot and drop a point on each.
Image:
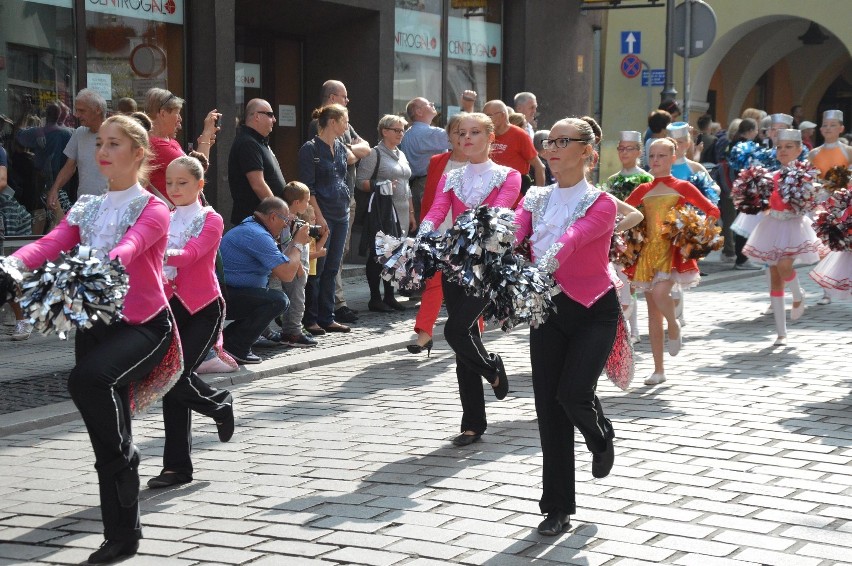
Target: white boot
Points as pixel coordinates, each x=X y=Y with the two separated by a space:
x=780 y=320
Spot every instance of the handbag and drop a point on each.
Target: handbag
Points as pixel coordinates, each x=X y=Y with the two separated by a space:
x=380 y=215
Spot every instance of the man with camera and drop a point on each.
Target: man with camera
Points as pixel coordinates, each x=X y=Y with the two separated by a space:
x=250 y=254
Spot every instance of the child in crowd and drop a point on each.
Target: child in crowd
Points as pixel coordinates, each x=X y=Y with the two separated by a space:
x=297 y=196
x=316 y=249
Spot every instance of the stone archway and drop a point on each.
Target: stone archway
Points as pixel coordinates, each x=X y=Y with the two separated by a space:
x=748 y=50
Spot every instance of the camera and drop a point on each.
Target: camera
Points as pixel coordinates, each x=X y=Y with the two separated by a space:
x=314 y=230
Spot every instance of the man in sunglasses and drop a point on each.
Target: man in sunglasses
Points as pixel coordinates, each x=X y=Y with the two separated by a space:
x=253 y=170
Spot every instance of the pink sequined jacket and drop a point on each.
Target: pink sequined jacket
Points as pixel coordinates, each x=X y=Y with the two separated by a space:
x=196 y=285
x=141 y=252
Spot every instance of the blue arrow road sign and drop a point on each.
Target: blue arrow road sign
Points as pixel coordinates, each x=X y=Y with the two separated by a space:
x=631 y=42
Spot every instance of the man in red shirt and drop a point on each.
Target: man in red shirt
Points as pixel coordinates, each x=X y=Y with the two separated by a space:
x=512 y=146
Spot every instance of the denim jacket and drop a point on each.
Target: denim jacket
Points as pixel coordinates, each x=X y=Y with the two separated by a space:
x=325 y=176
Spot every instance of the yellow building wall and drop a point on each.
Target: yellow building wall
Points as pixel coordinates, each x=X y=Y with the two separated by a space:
x=741 y=26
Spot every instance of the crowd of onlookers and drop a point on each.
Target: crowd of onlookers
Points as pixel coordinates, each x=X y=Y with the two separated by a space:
x=341 y=180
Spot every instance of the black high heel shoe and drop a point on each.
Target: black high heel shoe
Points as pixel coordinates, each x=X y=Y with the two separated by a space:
x=417 y=348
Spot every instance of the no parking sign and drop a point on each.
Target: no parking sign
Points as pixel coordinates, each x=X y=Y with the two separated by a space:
x=631 y=66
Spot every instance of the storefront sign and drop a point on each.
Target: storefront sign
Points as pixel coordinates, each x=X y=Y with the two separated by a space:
x=287 y=115
x=57 y=3
x=248 y=75
x=169 y=11
x=101 y=83
x=469 y=40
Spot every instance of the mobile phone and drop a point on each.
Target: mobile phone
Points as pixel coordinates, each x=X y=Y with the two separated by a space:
x=218 y=121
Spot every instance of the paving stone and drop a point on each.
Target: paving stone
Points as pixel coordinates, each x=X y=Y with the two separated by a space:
x=366 y=556
x=766 y=557
x=220 y=555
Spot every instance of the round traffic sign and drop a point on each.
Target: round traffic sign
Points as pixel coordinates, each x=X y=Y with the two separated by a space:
x=702 y=29
x=631 y=66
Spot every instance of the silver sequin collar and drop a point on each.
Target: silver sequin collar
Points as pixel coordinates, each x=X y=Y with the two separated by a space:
x=85 y=211
x=455 y=182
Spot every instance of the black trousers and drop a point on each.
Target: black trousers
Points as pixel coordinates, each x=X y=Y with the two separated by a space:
x=473 y=362
x=251 y=309
x=108 y=359
x=198 y=333
x=729 y=214
x=374 y=279
x=568 y=354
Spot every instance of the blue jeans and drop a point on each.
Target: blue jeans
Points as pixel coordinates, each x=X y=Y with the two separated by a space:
x=251 y=309
x=322 y=309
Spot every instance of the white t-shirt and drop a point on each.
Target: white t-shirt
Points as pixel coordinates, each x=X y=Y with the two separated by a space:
x=81 y=148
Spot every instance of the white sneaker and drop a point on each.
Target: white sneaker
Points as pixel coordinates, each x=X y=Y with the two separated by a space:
x=769 y=309
x=780 y=341
x=674 y=346
x=635 y=338
x=655 y=379
x=797 y=312
x=681 y=321
x=23 y=329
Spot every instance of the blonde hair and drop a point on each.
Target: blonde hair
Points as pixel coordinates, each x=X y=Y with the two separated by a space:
x=671 y=142
x=133 y=127
x=517 y=119
x=192 y=164
x=453 y=121
x=483 y=120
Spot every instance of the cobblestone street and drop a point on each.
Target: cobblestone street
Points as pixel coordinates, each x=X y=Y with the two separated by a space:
x=744 y=456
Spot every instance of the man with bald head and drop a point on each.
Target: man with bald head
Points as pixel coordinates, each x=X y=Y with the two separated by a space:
x=512 y=146
x=253 y=170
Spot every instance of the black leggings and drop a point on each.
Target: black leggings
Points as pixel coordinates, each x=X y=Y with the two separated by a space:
x=568 y=354
x=473 y=362
x=198 y=333
x=108 y=359
x=374 y=277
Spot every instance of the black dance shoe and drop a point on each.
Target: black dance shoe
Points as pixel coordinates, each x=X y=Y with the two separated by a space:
x=417 y=348
x=127 y=481
x=466 y=439
x=168 y=479
x=226 y=427
x=112 y=550
x=554 y=524
x=502 y=388
x=602 y=463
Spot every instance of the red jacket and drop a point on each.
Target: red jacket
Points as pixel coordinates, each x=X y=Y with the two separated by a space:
x=437 y=164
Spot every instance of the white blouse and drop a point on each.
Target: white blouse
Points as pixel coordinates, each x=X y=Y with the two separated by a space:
x=181 y=219
x=476 y=183
x=106 y=222
x=560 y=207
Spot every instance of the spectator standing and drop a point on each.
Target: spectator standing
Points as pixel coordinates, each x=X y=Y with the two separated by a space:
x=250 y=254
x=512 y=147
x=14 y=221
x=423 y=140
x=527 y=104
x=164 y=108
x=798 y=113
x=90 y=109
x=126 y=106
x=47 y=143
x=334 y=92
x=658 y=120
x=385 y=172
x=705 y=139
x=253 y=170
x=322 y=167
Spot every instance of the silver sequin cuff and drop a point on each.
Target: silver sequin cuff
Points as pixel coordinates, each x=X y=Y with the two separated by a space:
x=548 y=262
x=425 y=227
x=15 y=263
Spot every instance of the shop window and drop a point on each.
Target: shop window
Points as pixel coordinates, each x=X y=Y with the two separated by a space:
x=36 y=69
x=134 y=46
x=472 y=49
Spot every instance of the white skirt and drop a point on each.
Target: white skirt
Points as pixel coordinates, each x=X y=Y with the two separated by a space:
x=777 y=238
x=834 y=274
x=744 y=224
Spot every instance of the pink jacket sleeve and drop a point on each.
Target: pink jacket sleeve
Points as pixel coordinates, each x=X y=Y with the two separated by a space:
x=149 y=228
x=441 y=205
x=47 y=248
x=195 y=248
x=509 y=191
x=598 y=221
x=523 y=218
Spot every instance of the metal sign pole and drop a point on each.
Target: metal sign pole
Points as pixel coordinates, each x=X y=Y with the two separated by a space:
x=687 y=37
x=669 y=92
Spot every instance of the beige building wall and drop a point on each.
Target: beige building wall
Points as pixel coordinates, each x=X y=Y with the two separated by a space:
x=756 y=56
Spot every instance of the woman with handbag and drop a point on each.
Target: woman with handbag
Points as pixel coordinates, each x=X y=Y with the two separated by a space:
x=384 y=173
x=480 y=182
x=134 y=360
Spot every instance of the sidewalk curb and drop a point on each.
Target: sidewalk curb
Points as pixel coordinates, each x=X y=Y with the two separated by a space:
x=60 y=413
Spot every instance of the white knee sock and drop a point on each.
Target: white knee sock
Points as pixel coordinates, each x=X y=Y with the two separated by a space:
x=795 y=288
x=634 y=318
x=779 y=314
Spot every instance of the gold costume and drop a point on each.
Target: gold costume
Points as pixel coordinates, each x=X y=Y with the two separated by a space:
x=655 y=259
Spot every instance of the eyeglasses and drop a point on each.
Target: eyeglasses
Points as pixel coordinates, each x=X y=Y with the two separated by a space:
x=281 y=217
x=396 y=130
x=269 y=113
x=560 y=143
x=625 y=148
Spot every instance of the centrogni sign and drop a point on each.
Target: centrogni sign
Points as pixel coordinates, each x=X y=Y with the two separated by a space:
x=168 y=11
x=470 y=40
